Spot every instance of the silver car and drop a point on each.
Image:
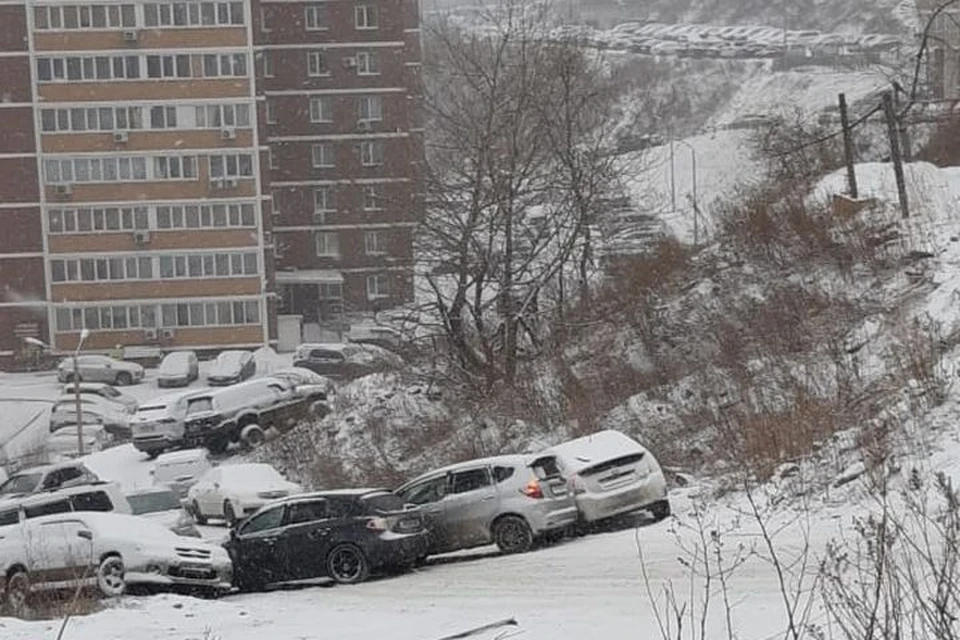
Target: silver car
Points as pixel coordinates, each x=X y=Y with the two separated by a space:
x=508 y=500
x=96 y=368
x=103 y=390
x=178 y=369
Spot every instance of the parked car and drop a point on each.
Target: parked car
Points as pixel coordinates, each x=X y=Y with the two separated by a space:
x=110 y=551
x=378 y=335
x=508 y=500
x=114 y=419
x=103 y=390
x=233 y=491
x=343 y=535
x=93 y=399
x=64 y=442
x=46 y=478
x=612 y=474
x=178 y=369
x=215 y=418
x=163 y=507
x=345 y=361
x=94 y=496
x=179 y=470
x=231 y=367
x=96 y=368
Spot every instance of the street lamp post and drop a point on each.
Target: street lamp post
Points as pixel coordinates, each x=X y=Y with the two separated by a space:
x=693 y=168
x=84 y=334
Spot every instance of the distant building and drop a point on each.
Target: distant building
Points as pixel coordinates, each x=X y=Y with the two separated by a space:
x=943 y=48
x=178 y=173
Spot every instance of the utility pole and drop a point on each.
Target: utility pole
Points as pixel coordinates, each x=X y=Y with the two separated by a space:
x=895 y=157
x=905 y=147
x=848 y=147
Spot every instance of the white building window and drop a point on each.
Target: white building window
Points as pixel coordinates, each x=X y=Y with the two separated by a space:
x=371 y=153
x=231 y=165
x=368 y=63
x=323 y=199
x=375 y=243
x=365 y=16
x=271 y=109
x=316 y=64
x=370 y=108
x=315 y=17
x=272 y=160
x=378 y=286
x=267 y=63
x=328 y=244
x=322 y=155
x=371 y=198
x=321 y=109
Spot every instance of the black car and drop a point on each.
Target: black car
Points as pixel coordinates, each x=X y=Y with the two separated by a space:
x=344 y=535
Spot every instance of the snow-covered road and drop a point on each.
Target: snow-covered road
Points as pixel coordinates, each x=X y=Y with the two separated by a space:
x=590 y=587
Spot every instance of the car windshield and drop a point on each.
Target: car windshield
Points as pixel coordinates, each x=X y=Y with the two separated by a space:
x=23 y=483
x=153 y=502
x=230 y=359
x=175 y=362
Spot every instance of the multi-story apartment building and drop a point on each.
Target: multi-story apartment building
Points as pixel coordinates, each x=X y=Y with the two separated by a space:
x=341 y=83
x=138 y=142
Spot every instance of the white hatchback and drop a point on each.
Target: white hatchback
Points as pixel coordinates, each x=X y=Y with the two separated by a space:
x=612 y=474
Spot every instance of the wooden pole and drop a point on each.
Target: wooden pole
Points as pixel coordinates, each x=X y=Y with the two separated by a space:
x=894 y=134
x=848 y=147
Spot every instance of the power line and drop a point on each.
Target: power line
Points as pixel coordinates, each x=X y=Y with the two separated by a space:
x=829 y=136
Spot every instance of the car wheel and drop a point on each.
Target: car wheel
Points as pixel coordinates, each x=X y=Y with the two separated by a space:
x=512 y=534
x=346 y=564
x=660 y=510
x=153 y=454
x=124 y=379
x=219 y=444
x=252 y=436
x=110 y=577
x=18 y=593
x=229 y=514
x=197 y=514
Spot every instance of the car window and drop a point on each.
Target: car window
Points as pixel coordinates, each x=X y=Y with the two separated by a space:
x=22 y=483
x=199 y=405
x=425 y=492
x=269 y=519
x=342 y=507
x=502 y=473
x=546 y=467
x=301 y=512
x=470 y=480
x=382 y=503
x=47 y=508
x=59 y=477
x=9 y=517
x=92 y=501
x=323 y=354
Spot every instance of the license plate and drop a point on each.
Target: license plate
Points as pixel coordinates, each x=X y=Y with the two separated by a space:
x=146 y=428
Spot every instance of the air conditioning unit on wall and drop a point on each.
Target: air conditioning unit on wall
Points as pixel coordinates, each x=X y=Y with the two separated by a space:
x=150 y=334
x=228 y=134
x=168 y=334
x=120 y=137
x=141 y=238
x=131 y=35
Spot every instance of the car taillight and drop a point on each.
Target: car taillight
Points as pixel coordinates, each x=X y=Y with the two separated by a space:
x=377 y=524
x=533 y=490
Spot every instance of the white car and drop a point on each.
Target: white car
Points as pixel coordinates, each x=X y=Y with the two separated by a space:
x=97 y=368
x=110 y=551
x=64 y=442
x=612 y=474
x=161 y=505
x=180 y=470
x=103 y=390
x=233 y=491
x=178 y=369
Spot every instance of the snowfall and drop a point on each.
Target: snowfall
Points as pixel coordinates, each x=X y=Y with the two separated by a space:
x=607 y=585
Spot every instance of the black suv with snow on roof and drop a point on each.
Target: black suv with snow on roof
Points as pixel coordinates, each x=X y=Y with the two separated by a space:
x=344 y=535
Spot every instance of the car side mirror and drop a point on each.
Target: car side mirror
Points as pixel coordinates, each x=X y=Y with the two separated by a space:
x=86 y=535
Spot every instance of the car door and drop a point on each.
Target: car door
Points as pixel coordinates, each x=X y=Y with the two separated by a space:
x=428 y=494
x=471 y=504
x=307 y=531
x=259 y=550
x=205 y=493
x=49 y=556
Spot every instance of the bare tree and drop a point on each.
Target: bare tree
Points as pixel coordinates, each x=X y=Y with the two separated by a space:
x=520 y=156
